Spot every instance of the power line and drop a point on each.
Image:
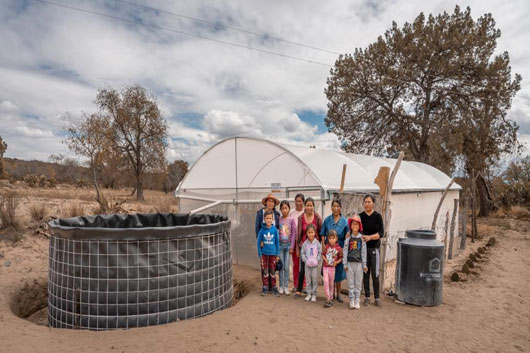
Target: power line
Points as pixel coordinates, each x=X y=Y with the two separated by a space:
x=184 y=33
x=266 y=36
x=239 y=45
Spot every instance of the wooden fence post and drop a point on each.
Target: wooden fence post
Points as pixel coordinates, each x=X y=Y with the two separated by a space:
x=440 y=204
x=385 y=190
x=452 y=232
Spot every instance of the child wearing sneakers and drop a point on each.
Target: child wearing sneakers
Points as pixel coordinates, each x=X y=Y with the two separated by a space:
x=269 y=252
x=310 y=255
x=331 y=256
x=287 y=242
x=354 y=260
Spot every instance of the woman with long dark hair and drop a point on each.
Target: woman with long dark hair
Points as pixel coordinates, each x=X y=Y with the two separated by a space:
x=295 y=213
x=373 y=231
x=338 y=223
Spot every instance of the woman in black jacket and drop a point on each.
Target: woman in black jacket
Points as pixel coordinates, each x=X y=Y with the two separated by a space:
x=373 y=231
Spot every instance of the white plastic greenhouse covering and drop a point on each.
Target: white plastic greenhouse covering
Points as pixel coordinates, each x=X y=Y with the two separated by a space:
x=251 y=163
x=232 y=176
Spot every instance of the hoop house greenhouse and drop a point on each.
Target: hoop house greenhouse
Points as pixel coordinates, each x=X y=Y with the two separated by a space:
x=231 y=178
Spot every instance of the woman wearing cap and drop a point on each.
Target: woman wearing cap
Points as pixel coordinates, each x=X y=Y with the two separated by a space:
x=308 y=217
x=372 y=224
x=269 y=202
x=338 y=223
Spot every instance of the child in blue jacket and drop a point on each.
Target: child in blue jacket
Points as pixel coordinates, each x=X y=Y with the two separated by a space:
x=268 y=245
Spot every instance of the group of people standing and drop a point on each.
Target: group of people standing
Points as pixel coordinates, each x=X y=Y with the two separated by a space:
x=345 y=248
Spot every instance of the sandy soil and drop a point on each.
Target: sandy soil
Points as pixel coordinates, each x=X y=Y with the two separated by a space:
x=490 y=312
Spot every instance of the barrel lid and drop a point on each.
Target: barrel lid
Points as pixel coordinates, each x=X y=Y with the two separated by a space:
x=421 y=234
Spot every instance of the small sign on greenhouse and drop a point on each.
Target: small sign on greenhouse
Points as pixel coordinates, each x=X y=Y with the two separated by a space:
x=276 y=187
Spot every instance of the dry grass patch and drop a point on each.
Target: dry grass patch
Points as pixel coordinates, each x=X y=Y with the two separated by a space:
x=38 y=212
x=8 y=209
x=164 y=205
x=74 y=210
x=516 y=212
x=520 y=212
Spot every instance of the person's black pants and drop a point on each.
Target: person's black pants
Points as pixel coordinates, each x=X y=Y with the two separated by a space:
x=301 y=276
x=372 y=262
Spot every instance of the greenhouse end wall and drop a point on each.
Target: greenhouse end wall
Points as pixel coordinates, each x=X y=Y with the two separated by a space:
x=409 y=211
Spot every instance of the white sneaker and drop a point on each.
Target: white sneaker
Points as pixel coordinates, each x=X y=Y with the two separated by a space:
x=352 y=305
x=286 y=291
x=357 y=305
x=308 y=298
x=280 y=290
x=314 y=298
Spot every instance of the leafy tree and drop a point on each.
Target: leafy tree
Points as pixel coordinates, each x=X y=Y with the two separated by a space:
x=512 y=187
x=175 y=173
x=426 y=89
x=432 y=89
x=139 y=129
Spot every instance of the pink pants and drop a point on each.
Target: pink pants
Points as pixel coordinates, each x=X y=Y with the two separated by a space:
x=329 y=281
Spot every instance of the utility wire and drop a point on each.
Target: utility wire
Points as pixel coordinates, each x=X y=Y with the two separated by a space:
x=235 y=44
x=266 y=36
x=184 y=33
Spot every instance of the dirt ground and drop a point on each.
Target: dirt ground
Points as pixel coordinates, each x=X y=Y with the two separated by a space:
x=489 y=312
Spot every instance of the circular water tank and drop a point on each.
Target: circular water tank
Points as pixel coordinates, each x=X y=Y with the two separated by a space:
x=122 y=271
x=419 y=274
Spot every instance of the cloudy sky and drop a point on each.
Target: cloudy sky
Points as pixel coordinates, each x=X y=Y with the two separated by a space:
x=53 y=60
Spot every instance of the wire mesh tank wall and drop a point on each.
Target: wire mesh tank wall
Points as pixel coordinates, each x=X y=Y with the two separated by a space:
x=123 y=271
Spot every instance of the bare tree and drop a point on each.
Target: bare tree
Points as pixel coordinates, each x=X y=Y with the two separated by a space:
x=3 y=148
x=140 y=130
x=89 y=138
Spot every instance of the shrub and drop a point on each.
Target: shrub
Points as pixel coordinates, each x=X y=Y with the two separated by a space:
x=163 y=204
x=38 y=212
x=75 y=210
x=8 y=208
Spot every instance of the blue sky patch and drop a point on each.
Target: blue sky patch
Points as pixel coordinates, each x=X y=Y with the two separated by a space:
x=313 y=117
x=191 y=119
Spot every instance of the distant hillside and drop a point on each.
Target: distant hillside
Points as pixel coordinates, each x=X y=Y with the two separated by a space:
x=19 y=169
x=39 y=173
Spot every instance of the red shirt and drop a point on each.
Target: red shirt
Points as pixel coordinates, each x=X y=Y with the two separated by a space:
x=304 y=228
x=331 y=254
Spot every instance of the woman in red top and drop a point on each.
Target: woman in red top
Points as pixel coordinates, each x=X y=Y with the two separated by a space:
x=309 y=216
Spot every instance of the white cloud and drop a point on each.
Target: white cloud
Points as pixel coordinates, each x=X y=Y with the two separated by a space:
x=7 y=106
x=54 y=60
x=33 y=132
x=226 y=124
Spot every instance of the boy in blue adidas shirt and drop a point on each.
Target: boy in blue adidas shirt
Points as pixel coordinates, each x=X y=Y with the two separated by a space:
x=269 y=252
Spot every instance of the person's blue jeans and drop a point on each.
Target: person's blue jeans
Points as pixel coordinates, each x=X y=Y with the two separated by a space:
x=284 y=273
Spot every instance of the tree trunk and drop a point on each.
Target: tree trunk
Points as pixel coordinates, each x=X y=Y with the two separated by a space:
x=484 y=196
x=99 y=196
x=473 y=208
x=139 y=188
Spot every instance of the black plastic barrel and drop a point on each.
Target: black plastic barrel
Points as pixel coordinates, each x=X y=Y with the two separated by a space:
x=132 y=270
x=419 y=274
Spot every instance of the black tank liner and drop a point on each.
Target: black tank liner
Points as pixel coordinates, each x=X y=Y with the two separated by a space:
x=122 y=271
